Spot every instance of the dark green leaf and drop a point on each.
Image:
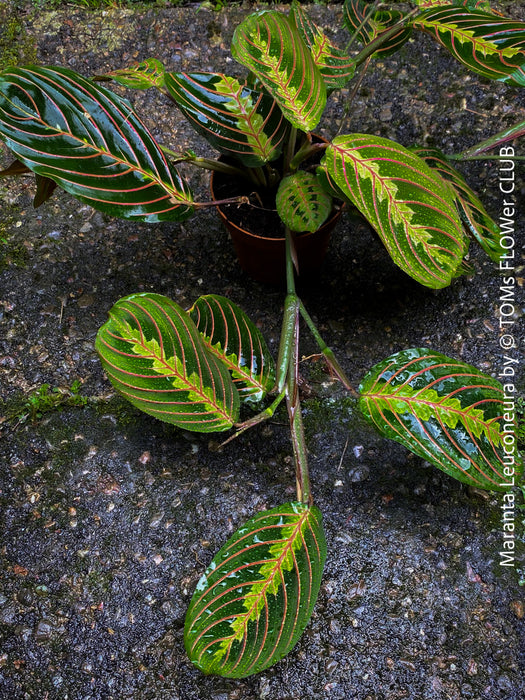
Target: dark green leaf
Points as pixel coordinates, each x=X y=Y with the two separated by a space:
x=234 y=339
x=91 y=143
x=491 y=46
x=302 y=203
x=447 y=412
x=153 y=354
x=236 y=120
x=469 y=4
x=256 y=597
x=270 y=46
x=409 y=205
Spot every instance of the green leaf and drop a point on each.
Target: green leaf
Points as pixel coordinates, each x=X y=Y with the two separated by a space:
x=91 y=143
x=234 y=119
x=472 y=212
x=256 y=597
x=139 y=76
x=469 y=4
x=272 y=48
x=302 y=203
x=489 y=45
x=234 y=339
x=409 y=205
x=334 y=65
x=446 y=412
x=368 y=26
x=153 y=355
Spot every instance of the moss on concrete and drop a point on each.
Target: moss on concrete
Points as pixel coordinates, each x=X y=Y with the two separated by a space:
x=16 y=47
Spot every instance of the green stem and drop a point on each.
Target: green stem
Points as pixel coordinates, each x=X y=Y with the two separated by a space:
x=205 y=163
x=293 y=404
x=368 y=15
x=376 y=43
x=290 y=359
x=290 y=278
x=259 y=177
x=285 y=345
x=462 y=157
x=326 y=351
x=259 y=418
x=508 y=134
x=306 y=151
x=241 y=199
x=290 y=149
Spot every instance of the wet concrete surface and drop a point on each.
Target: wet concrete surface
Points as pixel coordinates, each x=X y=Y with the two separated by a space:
x=108 y=517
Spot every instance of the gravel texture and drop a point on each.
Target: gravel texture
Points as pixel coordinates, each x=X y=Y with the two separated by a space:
x=108 y=518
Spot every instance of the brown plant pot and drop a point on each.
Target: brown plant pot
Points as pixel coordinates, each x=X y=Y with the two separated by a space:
x=264 y=258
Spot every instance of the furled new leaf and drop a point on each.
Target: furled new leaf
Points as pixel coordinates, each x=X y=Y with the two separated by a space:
x=271 y=47
x=489 y=45
x=139 y=76
x=367 y=24
x=234 y=119
x=154 y=355
x=336 y=67
x=448 y=413
x=236 y=341
x=472 y=212
x=90 y=142
x=408 y=204
x=256 y=597
x=302 y=203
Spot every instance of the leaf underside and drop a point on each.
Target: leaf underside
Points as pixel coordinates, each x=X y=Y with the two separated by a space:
x=446 y=412
x=91 y=143
x=154 y=356
x=234 y=339
x=256 y=597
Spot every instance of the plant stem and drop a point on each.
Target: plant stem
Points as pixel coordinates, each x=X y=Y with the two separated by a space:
x=290 y=149
x=305 y=152
x=205 y=163
x=376 y=44
x=241 y=199
x=368 y=15
x=287 y=335
x=302 y=477
x=290 y=356
x=326 y=351
x=255 y=420
x=508 y=134
x=462 y=157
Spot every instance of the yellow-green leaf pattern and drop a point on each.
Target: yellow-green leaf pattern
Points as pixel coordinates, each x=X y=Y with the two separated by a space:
x=448 y=413
x=154 y=356
x=256 y=597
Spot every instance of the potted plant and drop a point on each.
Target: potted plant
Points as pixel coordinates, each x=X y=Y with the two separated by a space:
x=194 y=368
